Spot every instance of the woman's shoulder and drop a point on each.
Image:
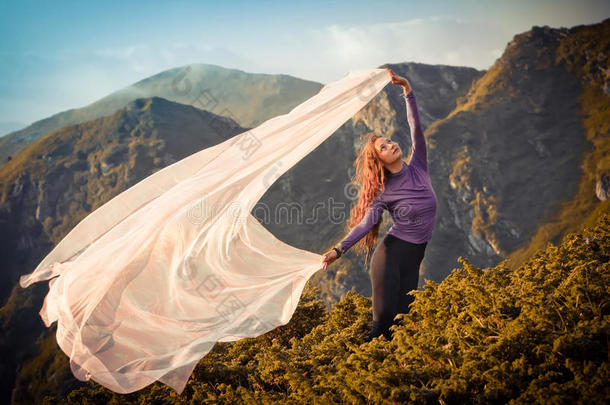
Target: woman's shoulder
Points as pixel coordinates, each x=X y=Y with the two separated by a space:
x=414 y=166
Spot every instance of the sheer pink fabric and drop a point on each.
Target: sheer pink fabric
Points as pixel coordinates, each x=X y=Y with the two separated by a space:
x=143 y=287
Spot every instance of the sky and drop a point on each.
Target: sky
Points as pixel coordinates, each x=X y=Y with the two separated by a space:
x=64 y=54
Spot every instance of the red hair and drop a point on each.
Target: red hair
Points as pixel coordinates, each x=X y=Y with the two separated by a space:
x=370 y=176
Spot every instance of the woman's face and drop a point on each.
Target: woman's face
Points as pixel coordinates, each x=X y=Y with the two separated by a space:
x=387 y=150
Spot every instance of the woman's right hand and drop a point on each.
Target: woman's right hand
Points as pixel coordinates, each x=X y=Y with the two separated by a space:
x=329 y=257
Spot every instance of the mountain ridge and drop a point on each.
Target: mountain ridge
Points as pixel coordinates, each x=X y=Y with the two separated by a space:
x=247 y=98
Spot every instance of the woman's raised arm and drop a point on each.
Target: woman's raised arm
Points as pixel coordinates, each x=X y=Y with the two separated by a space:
x=419 y=155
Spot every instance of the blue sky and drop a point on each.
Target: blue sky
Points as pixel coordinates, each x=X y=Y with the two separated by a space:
x=58 y=55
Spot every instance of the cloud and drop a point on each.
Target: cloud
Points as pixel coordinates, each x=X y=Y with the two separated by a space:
x=145 y=59
x=440 y=39
x=137 y=57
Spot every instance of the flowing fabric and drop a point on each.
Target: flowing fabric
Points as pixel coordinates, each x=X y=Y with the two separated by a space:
x=143 y=287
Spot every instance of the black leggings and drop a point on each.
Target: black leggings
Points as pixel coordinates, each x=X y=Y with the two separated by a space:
x=394 y=272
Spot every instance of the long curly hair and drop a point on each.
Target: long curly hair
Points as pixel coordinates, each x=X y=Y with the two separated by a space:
x=370 y=176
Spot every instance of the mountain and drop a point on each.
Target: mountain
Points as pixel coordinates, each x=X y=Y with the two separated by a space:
x=247 y=98
x=584 y=52
x=57 y=180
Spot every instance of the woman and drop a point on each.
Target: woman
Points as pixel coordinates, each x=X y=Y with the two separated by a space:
x=405 y=190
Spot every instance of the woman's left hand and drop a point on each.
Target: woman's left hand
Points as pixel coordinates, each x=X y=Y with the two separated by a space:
x=398 y=79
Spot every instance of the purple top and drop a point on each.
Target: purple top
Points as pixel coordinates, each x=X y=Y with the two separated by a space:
x=408 y=194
